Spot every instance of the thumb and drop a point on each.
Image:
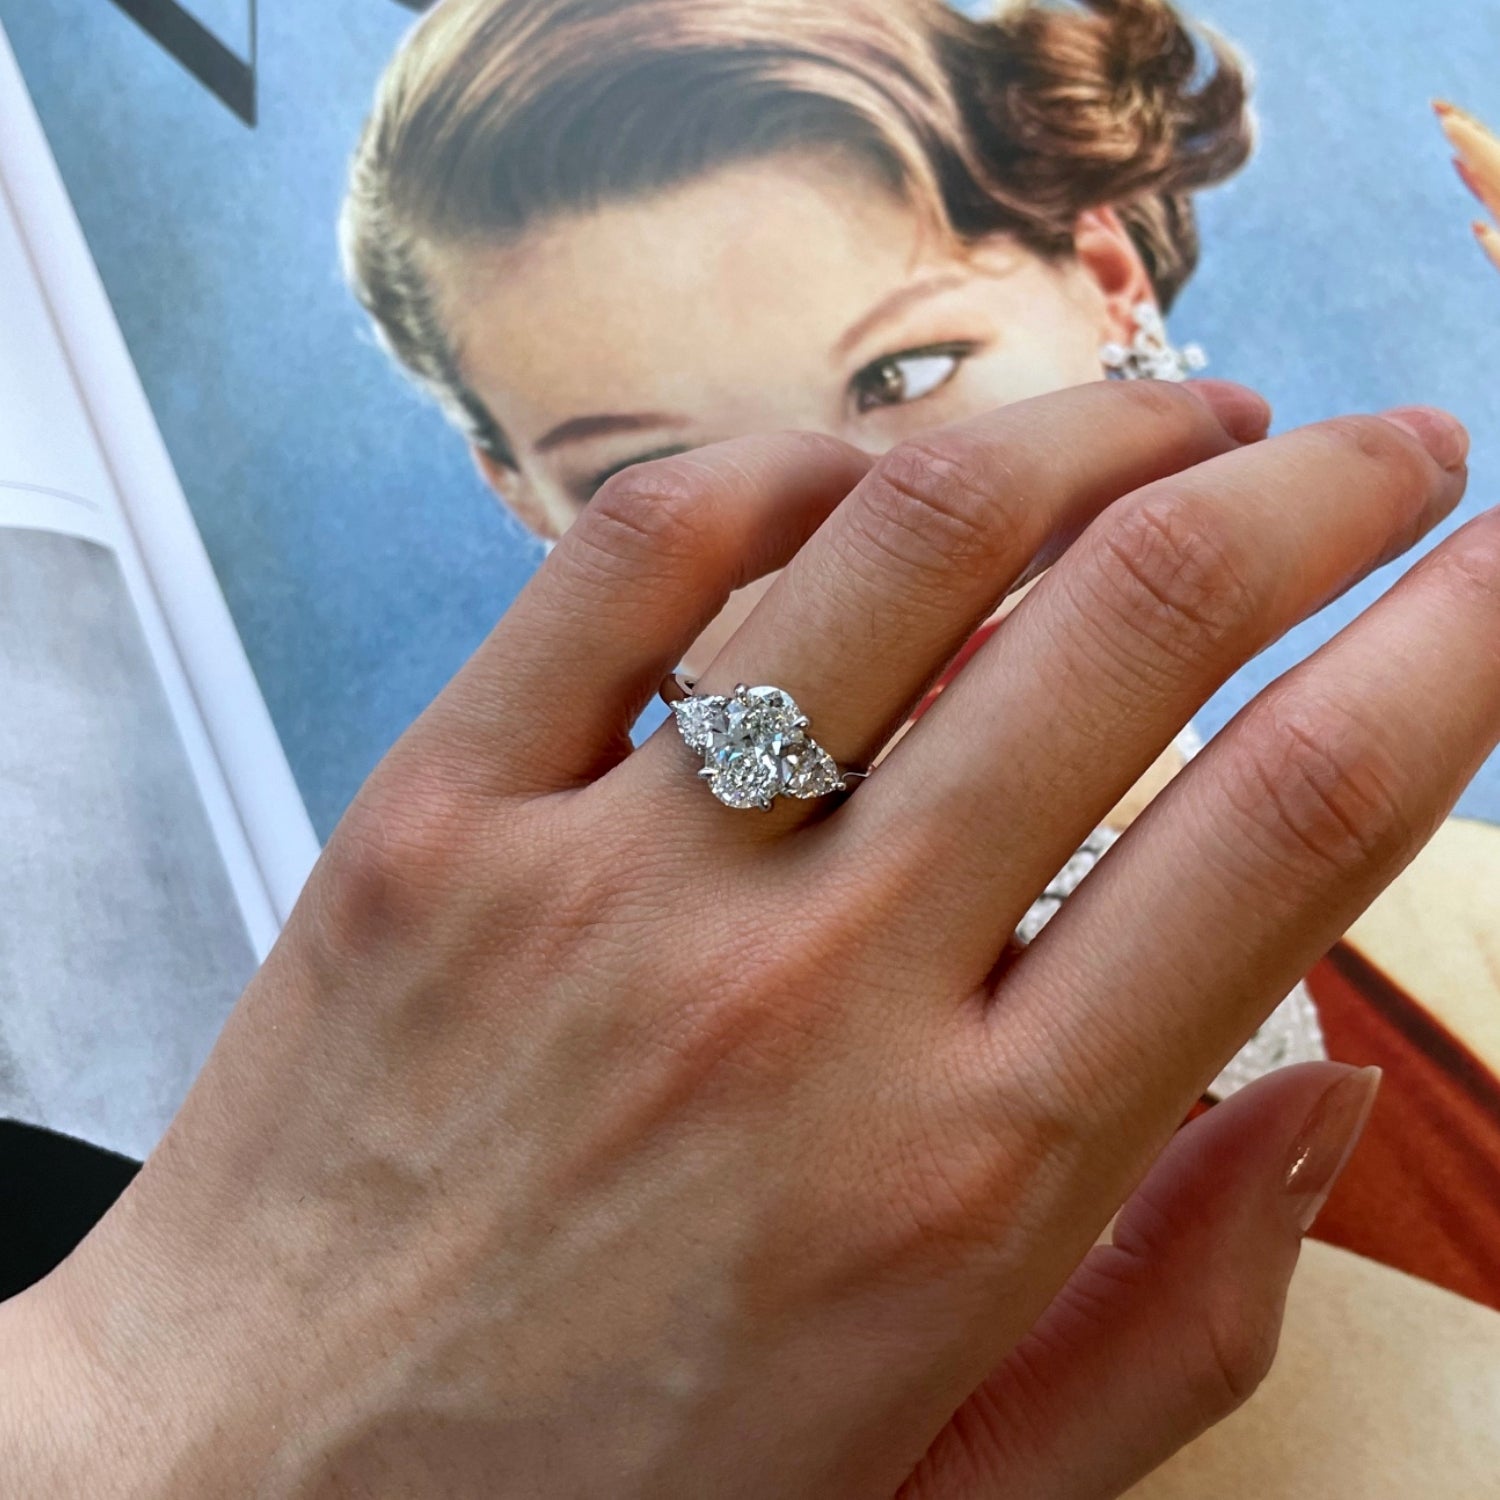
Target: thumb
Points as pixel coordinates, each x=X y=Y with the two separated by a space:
x=1167 y=1329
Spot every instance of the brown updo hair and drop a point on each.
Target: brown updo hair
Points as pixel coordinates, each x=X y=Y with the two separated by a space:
x=496 y=114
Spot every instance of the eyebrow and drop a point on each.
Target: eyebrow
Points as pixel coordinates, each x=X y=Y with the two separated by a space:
x=576 y=429
x=897 y=301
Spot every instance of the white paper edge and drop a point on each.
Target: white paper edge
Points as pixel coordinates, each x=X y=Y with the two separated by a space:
x=247 y=785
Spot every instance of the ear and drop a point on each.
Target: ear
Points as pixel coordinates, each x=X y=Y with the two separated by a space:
x=1107 y=255
x=513 y=492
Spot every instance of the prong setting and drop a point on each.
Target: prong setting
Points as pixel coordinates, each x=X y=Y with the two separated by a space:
x=756 y=747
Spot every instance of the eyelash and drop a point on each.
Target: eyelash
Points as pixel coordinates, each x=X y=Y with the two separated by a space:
x=958 y=350
x=592 y=486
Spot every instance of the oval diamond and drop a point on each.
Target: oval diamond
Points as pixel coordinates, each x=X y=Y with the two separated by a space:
x=755 y=747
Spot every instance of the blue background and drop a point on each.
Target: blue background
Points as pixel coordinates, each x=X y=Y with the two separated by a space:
x=360 y=555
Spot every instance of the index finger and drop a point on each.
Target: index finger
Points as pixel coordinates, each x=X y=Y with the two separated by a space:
x=549 y=698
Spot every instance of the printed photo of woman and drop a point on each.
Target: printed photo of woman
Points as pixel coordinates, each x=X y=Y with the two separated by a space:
x=604 y=231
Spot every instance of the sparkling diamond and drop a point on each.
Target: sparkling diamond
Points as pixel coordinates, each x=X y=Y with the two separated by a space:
x=699 y=720
x=755 y=744
x=742 y=783
x=813 y=772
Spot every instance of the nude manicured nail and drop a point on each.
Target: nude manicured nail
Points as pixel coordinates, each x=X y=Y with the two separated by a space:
x=1327 y=1141
x=1444 y=437
x=1245 y=416
x=1489 y=240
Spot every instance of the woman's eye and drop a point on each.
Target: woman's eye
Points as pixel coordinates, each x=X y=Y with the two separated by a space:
x=898 y=379
x=587 y=489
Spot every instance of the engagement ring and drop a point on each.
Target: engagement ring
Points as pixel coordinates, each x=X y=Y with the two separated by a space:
x=755 y=745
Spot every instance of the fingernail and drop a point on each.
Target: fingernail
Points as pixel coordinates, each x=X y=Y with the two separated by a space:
x=1489 y=241
x=1444 y=437
x=1327 y=1141
x=1446 y=110
x=1244 y=415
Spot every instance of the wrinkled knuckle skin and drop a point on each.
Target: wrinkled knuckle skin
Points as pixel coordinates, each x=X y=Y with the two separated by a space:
x=653 y=519
x=1170 y=573
x=1364 y=440
x=936 y=505
x=1470 y=565
x=1232 y=1351
x=1321 y=789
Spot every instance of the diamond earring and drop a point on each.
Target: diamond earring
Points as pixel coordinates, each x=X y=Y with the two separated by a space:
x=1150 y=355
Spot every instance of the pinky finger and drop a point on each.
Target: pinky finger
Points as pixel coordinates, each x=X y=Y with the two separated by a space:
x=1167 y=1329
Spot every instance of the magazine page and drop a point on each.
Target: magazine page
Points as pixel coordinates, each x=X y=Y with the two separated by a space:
x=622 y=256
x=362 y=555
x=246 y=783
x=132 y=921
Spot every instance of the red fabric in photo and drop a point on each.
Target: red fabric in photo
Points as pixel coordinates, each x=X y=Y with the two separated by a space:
x=1422 y=1192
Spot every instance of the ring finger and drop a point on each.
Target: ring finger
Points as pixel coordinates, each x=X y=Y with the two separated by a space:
x=931 y=540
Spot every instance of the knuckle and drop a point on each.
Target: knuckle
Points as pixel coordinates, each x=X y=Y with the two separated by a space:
x=653 y=517
x=1367 y=440
x=1321 y=786
x=389 y=871
x=938 y=503
x=1164 y=401
x=1237 y=1333
x=1470 y=562
x=1173 y=572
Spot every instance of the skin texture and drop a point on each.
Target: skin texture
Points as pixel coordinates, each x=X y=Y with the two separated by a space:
x=721 y=306
x=557 y=1151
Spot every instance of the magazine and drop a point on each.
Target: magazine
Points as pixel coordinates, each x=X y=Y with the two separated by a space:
x=240 y=551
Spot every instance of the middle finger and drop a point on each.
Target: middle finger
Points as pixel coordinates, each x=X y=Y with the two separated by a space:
x=1168 y=593
x=930 y=541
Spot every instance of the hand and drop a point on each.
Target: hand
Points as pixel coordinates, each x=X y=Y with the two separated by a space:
x=584 y=1137
x=1477 y=159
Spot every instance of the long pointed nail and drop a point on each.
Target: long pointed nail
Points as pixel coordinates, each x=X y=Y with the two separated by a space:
x=1326 y=1141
